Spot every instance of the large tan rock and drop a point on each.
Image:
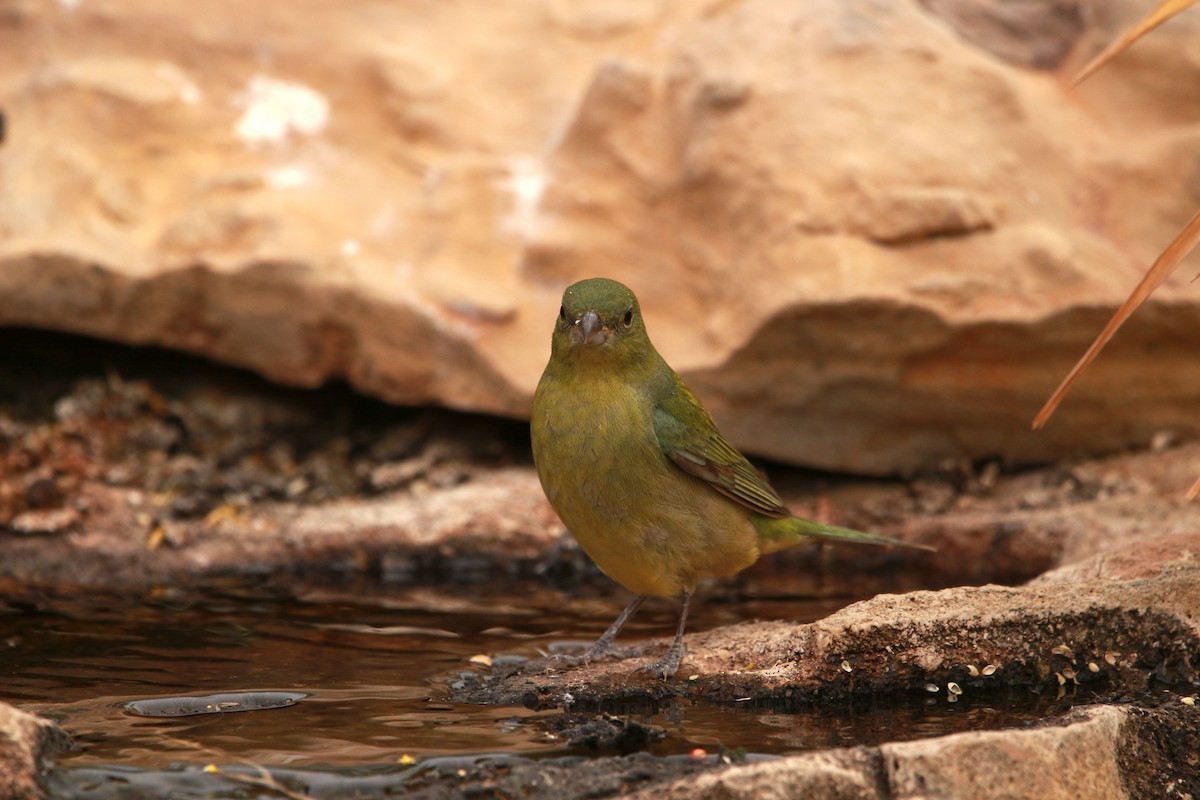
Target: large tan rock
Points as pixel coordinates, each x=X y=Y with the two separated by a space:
x=873 y=235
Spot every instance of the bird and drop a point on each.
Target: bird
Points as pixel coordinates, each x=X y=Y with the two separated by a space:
x=636 y=469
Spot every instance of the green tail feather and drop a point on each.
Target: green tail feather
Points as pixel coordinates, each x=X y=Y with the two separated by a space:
x=779 y=534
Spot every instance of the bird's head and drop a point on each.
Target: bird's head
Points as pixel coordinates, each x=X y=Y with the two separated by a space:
x=600 y=318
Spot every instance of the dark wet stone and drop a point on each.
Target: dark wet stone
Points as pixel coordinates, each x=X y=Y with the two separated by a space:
x=224 y=703
x=601 y=731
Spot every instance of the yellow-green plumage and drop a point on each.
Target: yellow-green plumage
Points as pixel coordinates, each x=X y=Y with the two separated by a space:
x=636 y=468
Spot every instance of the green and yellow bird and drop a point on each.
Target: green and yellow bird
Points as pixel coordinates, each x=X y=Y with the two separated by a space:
x=637 y=469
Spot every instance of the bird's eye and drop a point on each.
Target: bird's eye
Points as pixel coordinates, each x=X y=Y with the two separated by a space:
x=562 y=313
x=628 y=318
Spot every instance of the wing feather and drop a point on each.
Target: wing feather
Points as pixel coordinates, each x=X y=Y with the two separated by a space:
x=690 y=439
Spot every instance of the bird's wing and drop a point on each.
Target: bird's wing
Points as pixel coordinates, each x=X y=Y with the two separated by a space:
x=689 y=437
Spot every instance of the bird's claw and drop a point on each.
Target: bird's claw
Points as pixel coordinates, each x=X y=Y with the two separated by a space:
x=666 y=667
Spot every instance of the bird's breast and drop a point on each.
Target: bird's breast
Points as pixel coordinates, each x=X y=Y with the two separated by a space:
x=645 y=523
x=594 y=445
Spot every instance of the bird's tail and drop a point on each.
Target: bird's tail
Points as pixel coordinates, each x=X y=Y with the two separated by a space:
x=778 y=534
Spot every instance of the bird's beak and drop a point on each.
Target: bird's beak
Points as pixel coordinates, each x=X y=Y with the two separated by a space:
x=588 y=329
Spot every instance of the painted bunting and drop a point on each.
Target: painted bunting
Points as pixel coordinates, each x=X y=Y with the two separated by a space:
x=637 y=469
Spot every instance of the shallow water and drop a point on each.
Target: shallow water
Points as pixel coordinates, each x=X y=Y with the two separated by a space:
x=372 y=671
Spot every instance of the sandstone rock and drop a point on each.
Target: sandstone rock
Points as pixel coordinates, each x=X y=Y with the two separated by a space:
x=1079 y=758
x=870 y=240
x=824 y=775
x=25 y=741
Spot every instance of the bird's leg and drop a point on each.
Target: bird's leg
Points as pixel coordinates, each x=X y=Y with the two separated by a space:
x=668 y=665
x=603 y=646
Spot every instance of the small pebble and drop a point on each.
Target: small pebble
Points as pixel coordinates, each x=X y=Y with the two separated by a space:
x=1162 y=441
x=1063 y=650
x=55 y=520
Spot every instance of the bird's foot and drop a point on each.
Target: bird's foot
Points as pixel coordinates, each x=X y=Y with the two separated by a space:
x=668 y=665
x=597 y=652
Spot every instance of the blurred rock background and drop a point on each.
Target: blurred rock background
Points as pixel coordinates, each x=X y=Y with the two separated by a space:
x=874 y=235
